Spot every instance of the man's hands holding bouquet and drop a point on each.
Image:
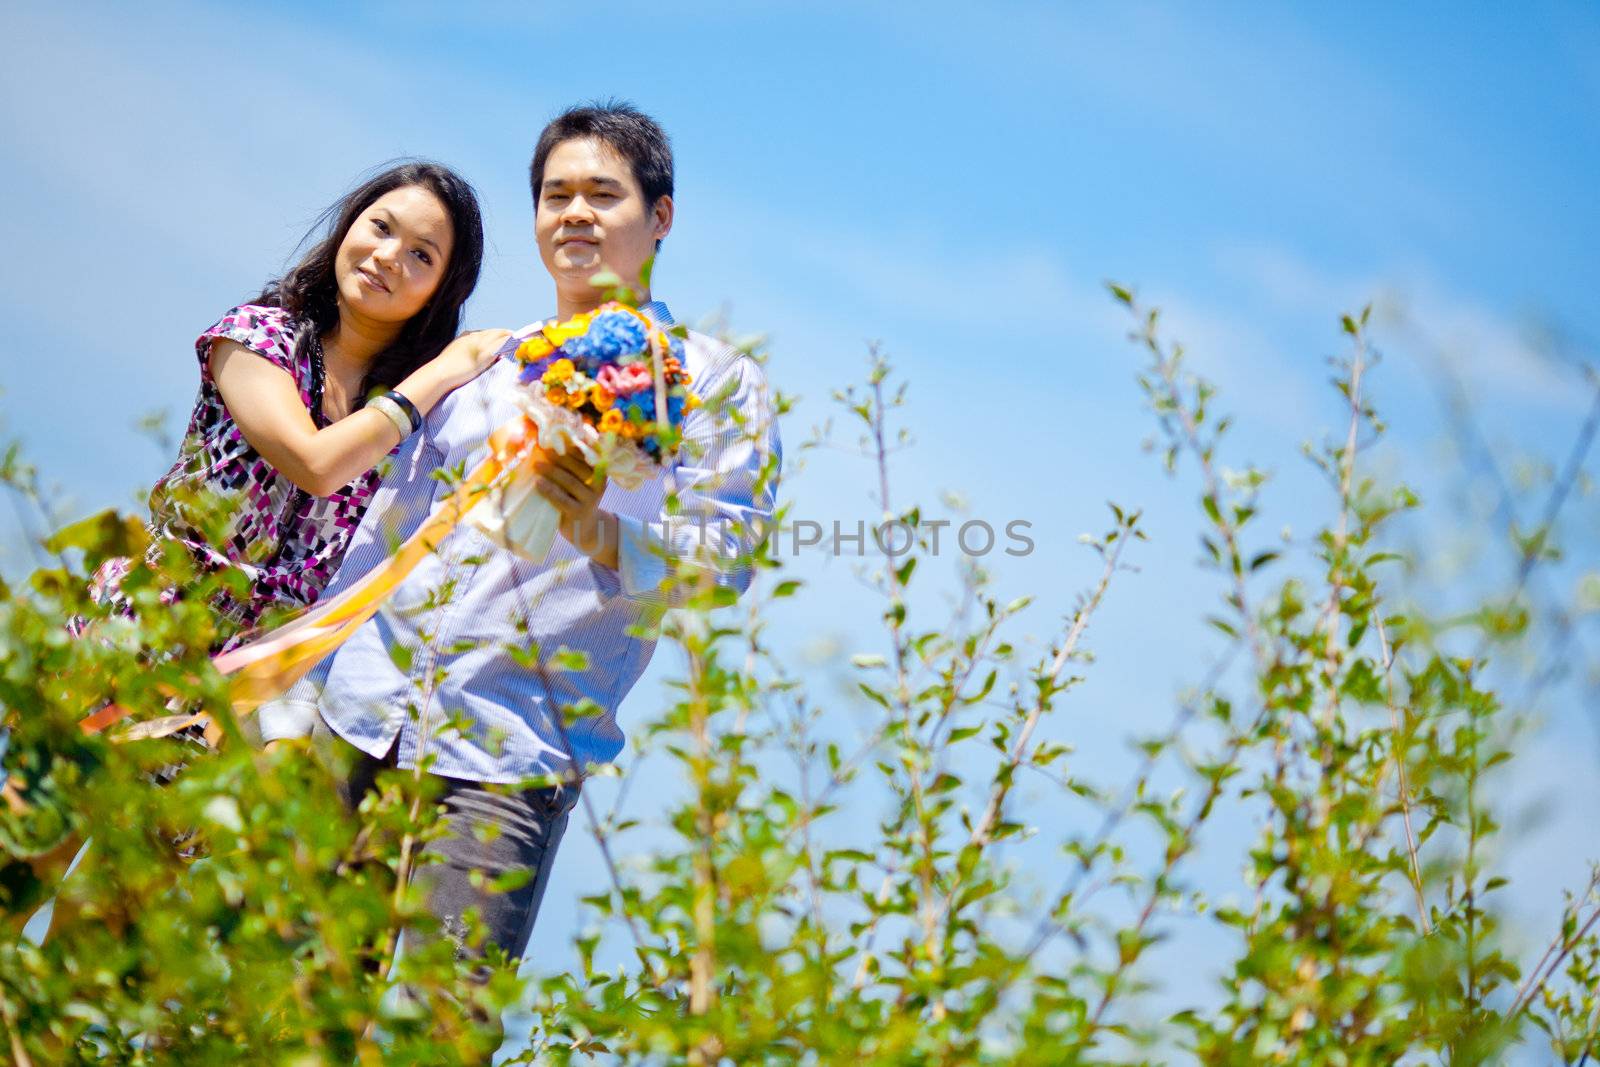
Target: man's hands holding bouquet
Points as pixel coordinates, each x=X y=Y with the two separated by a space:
x=571 y=485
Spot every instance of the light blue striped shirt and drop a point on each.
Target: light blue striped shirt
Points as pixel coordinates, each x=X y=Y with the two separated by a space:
x=445 y=665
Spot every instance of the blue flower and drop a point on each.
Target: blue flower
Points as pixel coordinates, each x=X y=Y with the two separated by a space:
x=610 y=336
x=532 y=372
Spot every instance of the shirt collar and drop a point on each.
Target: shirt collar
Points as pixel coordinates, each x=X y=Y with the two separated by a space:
x=657 y=310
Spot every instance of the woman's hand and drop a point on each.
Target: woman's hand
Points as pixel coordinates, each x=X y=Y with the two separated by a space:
x=265 y=401
x=467 y=357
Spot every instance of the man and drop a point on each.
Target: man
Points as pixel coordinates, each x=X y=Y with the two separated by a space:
x=443 y=672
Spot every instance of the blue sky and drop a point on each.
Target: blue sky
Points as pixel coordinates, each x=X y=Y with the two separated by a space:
x=954 y=181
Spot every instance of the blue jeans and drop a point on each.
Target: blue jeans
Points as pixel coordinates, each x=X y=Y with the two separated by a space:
x=529 y=824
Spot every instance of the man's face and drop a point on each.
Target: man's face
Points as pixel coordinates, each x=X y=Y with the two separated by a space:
x=591 y=216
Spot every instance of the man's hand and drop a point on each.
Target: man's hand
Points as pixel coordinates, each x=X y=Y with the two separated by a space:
x=573 y=488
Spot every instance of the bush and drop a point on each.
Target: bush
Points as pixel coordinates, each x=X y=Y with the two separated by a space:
x=821 y=900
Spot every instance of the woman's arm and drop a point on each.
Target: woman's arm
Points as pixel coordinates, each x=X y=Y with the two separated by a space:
x=264 y=400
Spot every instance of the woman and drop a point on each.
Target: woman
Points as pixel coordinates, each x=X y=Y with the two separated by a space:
x=304 y=390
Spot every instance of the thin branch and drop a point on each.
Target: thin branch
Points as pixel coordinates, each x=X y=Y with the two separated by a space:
x=557 y=716
x=1557 y=951
x=1046 y=927
x=1399 y=757
x=1004 y=778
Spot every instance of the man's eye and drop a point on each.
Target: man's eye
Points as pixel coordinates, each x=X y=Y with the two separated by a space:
x=556 y=198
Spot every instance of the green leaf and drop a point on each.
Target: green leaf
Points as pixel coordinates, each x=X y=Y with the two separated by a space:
x=568 y=659
x=874 y=695
x=511 y=880
x=401 y=655
x=101 y=536
x=1262 y=559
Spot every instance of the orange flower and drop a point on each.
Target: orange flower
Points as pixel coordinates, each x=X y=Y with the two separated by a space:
x=601 y=397
x=612 y=421
x=576 y=400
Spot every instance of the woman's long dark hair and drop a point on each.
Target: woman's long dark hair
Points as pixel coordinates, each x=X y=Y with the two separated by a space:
x=308 y=290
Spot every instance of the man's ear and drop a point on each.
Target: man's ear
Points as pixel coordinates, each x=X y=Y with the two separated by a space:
x=662 y=217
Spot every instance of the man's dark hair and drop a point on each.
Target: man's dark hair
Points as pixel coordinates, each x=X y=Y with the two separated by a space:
x=629 y=132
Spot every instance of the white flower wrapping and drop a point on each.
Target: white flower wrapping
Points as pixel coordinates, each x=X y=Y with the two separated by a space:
x=514 y=516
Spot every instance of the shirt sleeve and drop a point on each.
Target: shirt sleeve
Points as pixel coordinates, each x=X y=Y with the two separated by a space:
x=293 y=714
x=268 y=332
x=719 y=498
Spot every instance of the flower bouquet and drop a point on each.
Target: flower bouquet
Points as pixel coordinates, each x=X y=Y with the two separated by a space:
x=609 y=383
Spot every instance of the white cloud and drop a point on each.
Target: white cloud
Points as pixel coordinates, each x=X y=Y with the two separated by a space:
x=1492 y=355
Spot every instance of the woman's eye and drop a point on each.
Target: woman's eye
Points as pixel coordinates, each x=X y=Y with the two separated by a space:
x=383 y=227
x=427 y=259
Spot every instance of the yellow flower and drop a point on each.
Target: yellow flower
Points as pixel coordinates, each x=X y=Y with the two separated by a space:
x=612 y=421
x=559 y=371
x=575 y=400
x=690 y=401
x=601 y=397
x=534 y=349
x=577 y=326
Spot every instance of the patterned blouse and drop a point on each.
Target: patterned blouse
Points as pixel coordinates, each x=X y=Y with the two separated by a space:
x=285 y=540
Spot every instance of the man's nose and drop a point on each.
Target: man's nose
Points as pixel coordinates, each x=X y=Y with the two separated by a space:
x=577 y=210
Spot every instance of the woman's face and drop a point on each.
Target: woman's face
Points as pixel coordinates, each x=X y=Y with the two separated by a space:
x=393 y=257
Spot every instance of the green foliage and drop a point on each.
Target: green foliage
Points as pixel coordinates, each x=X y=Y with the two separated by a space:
x=822 y=895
